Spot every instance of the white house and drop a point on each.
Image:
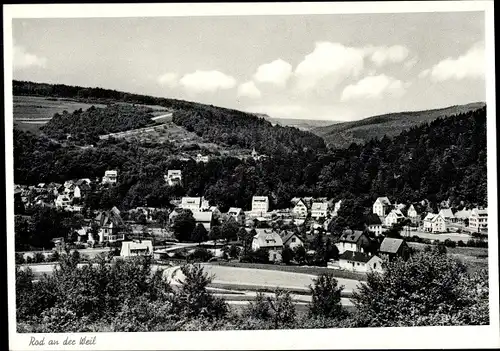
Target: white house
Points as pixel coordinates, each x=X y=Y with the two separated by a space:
x=360 y=262
x=77 y=194
x=173 y=177
x=352 y=241
x=319 y=210
x=238 y=214
x=110 y=177
x=194 y=204
x=200 y=158
x=260 y=205
x=110 y=226
x=270 y=240
x=478 y=220
x=62 y=201
x=381 y=206
x=394 y=217
x=413 y=214
x=374 y=224
x=434 y=223
x=336 y=208
x=136 y=248
x=300 y=209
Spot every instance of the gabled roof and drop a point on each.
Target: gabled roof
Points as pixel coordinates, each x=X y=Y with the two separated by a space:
x=391 y=245
x=480 y=212
x=289 y=236
x=432 y=217
x=463 y=214
x=111 y=216
x=351 y=236
x=203 y=216
x=263 y=235
x=397 y=213
x=384 y=200
x=372 y=218
x=235 y=211
x=355 y=256
x=301 y=202
x=446 y=213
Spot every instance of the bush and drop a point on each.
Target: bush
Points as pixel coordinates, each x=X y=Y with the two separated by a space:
x=326 y=297
x=20 y=258
x=39 y=257
x=200 y=255
x=450 y=243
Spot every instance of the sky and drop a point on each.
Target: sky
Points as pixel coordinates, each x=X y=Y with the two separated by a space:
x=328 y=67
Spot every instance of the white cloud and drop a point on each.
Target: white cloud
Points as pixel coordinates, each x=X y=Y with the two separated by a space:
x=410 y=63
x=169 y=79
x=389 y=54
x=374 y=87
x=333 y=62
x=276 y=72
x=22 y=59
x=207 y=81
x=469 y=65
x=249 y=89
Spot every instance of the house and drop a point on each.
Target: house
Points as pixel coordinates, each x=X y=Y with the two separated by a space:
x=136 y=248
x=413 y=214
x=391 y=248
x=173 y=177
x=62 y=201
x=110 y=177
x=204 y=217
x=434 y=223
x=373 y=224
x=463 y=215
x=200 y=158
x=294 y=200
x=447 y=214
x=270 y=240
x=300 y=209
x=352 y=240
x=194 y=204
x=381 y=206
x=478 y=220
x=238 y=214
x=83 y=234
x=216 y=213
x=260 y=205
x=360 y=262
x=292 y=240
x=319 y=210
x=110 y=226
x=336 y=208
x=394 y=217
x=77 y=194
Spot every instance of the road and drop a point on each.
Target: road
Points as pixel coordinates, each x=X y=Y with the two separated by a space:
x=442 y=236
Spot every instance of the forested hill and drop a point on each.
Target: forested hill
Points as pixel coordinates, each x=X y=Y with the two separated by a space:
x=93 y=122
x=216 y=124
x=343 y=134
x=444 y=159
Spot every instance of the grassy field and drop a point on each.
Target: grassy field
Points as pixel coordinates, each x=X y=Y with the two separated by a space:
x=296 y=269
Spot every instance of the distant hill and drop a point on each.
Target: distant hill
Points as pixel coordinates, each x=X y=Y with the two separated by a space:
x=302 y=124
x=343 y=134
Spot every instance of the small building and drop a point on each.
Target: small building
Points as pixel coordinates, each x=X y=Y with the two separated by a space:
x=463 y=215
x=292 y=240
x=216 y=213
x=360 y=262
x=270 y=240
x=336 y=208
x=352 y=240
x=478 y=220
x=110 y=177
x=203 y=217
x=300 y=209
x=391 y=248
x=194 y=204
x=62 y=201
x=319 y=210
x=434 y=223
x=413 y=214
x=173 y=177
x=373 y=224
x=238 y=214
x=111 y=226
x=394 y=217
x=201 y=159
x=260 y=205
x=381 y=206
x=136 y=248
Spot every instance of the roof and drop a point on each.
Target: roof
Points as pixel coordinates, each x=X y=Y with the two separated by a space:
x=463 y=214
x=289 y=236
x=319 y=206
x=398 y=213
x=113 y=216
x=384 y=200
x=351 y=236
x=268 y=234
x=202 y=216
x=479 y=212
x=446 y=213
x=234 y=211
x=260 y=198
x=171 y=172
x=372 y=218
x=391 y=245
x=355 y=256
x=432 y=217
x=191 y=201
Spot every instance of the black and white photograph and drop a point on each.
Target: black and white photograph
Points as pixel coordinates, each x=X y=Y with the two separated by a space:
x=290 y=174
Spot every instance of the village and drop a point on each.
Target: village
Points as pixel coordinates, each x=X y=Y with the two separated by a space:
x=150 y=231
